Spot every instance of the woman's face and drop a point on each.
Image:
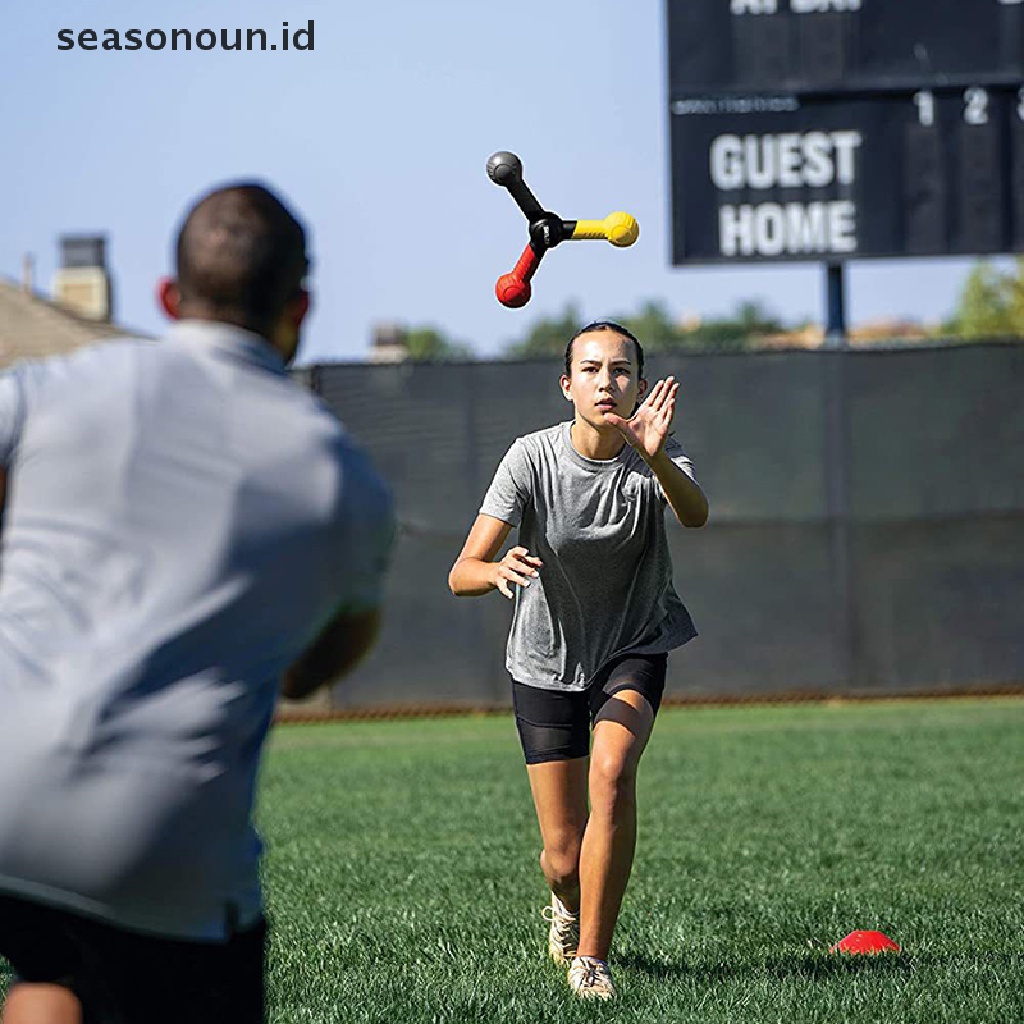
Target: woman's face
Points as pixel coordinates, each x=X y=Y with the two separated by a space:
x=604 y=377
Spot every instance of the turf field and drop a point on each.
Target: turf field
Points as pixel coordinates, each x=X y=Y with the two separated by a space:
x=402 y=876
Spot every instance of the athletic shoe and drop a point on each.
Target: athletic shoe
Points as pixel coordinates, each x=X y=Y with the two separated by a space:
x=564 y=933
x=590 y=978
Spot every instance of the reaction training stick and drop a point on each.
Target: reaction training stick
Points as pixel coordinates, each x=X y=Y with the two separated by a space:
x=546 y=229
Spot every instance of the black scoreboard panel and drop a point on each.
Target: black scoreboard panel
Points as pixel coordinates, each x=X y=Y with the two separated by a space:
x=719 y=46
x=925 y=173
x=894 y=127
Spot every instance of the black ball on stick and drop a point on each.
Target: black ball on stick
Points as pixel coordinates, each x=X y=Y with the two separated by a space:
x=504 y=168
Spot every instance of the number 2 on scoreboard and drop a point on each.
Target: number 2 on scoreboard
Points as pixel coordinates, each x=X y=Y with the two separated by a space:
x=976 y=106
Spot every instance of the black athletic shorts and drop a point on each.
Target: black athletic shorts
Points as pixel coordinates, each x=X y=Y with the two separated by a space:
x=554 y=725
x=122 y=977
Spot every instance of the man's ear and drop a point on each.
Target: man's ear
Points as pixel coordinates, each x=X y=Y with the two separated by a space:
x=564 y=382
x=168 y=295
x=298 y=308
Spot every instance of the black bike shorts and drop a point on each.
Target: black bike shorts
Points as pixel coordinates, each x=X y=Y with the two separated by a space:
x=554 y=725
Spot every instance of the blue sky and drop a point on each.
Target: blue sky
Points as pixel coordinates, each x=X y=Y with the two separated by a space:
x=379 y=137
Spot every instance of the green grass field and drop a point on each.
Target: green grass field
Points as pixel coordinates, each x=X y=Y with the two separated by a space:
x=403 y=881
x=403 y=886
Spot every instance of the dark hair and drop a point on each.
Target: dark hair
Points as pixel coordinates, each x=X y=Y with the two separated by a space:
x=605 y=325
x=241 y=254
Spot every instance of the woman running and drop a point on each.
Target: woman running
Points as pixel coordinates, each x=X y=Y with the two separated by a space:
x=595 y=617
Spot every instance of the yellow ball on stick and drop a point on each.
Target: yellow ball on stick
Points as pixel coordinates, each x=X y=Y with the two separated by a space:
x=621 y=229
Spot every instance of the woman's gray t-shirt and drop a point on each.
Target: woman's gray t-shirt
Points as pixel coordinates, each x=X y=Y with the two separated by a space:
x=606 y=585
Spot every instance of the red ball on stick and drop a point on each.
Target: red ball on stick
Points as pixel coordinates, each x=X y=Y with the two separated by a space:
x=512 y=291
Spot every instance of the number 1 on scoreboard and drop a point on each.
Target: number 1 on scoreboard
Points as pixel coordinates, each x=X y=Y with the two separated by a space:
x=925 y=101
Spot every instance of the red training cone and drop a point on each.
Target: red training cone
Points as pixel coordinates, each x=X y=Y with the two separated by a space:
x=865 y=942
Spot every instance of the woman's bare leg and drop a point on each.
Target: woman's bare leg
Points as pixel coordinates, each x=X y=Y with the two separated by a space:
x=560 y=797
x=606 y=858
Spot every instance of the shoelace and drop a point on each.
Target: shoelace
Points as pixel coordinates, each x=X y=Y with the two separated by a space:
x=593 y=968
x=564 y=924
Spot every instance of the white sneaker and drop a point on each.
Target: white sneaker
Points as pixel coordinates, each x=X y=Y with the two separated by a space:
x=590 y=978
x=564 y=933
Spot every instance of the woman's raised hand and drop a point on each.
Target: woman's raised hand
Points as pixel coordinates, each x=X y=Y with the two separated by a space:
x=650 y=424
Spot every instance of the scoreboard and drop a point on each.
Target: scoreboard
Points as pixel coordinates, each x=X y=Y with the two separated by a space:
x=835 y=129
x=843 y=44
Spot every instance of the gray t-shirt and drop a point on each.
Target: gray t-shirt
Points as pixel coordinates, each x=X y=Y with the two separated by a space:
x=182 y=519
x=606 y=585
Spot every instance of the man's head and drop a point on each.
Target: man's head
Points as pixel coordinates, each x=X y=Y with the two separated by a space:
x=241 y=260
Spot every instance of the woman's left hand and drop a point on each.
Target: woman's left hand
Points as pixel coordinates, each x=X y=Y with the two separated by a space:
x=650 y=424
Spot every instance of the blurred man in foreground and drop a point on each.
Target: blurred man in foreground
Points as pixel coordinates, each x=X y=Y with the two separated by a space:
x=187 y=532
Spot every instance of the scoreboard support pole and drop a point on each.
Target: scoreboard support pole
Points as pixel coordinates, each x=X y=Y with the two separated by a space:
x=837 y=473
x=835 y=305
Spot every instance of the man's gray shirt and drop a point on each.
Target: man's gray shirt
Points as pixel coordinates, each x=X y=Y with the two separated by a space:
x=182 y=519
x=606 y=585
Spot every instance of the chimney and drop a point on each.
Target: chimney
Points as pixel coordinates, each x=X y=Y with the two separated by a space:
x=82 y=284
x=388 y=344
x=28 y=274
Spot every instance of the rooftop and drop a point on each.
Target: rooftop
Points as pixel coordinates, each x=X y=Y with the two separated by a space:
x=32 y=326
